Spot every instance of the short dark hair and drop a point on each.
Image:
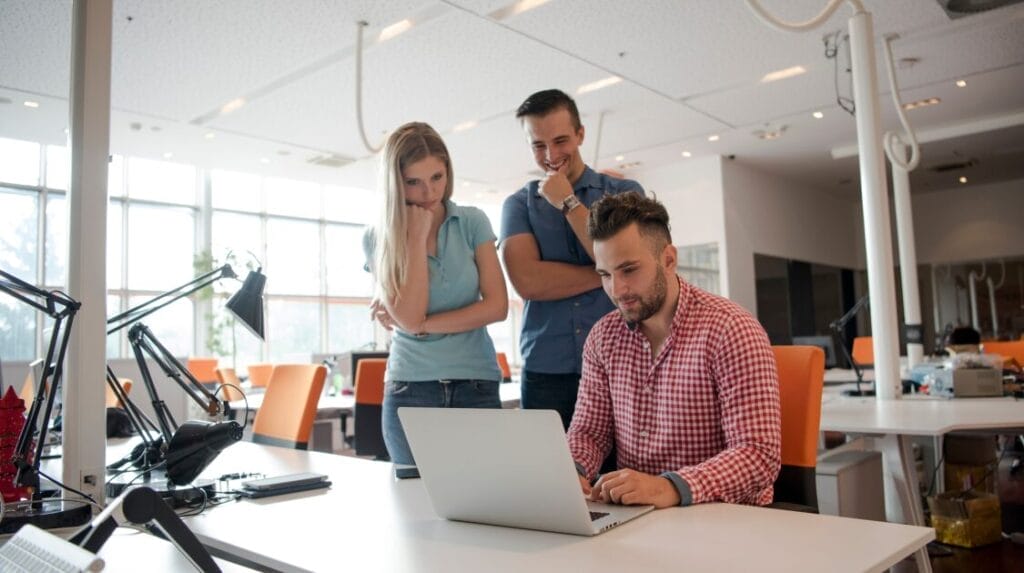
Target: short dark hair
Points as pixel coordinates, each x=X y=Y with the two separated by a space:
x=547 y=101
x=613 y=213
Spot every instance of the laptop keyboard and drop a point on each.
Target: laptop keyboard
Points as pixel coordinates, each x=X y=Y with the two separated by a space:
x=595 y=515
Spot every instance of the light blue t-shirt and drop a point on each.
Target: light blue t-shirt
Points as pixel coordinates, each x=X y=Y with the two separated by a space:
x=454 y=283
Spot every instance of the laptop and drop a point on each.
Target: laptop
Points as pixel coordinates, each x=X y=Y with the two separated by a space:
x=505 y=467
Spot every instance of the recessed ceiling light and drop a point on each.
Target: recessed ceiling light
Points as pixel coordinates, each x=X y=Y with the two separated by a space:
x=921 y=103
x=32 y=104
x=713 y=138
x=394 y=30
x=599 y=84
x=465 y=183
x=687 y=154
x=961 y=83
x=515 y=9
x=464 y=126
x=264 y=160
x=818 y=115
x=232 y=105
x=963 y=179
x=168 y=155
x=210 y=135
x=619 y=157
x=783 y=74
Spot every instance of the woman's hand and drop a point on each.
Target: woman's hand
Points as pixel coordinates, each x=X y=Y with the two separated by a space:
x=419 y=220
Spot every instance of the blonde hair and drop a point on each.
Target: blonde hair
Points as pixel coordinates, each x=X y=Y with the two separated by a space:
x=408 y=144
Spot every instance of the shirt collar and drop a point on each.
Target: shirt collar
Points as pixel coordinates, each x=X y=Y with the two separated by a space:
x=451 y=210
x=685 y=297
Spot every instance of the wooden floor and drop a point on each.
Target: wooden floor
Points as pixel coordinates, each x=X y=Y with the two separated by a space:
x=996 y=558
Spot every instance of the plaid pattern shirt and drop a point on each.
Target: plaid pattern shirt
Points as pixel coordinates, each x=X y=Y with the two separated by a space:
x=706 y=408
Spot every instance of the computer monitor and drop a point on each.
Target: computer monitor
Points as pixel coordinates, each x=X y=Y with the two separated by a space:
x=823 y=342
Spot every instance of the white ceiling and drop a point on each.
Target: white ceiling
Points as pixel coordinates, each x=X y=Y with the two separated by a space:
x=690 y=69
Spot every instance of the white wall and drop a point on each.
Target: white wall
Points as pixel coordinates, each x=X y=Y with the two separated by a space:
x=768 y=215
x=970 y=223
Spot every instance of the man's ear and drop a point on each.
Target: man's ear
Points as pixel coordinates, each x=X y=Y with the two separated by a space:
x=580 y=133
x=669 y=258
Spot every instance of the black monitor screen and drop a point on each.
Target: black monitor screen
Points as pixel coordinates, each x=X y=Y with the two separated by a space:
x=823 y=342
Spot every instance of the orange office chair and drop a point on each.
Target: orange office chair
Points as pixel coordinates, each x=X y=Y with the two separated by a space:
x=863 y=351
x=506 y=372
x=289 y=406
x=1009 y=350
x=801 y=378
x=369 y=437
x=111 y=399
x=202 y=369
x=260 y=375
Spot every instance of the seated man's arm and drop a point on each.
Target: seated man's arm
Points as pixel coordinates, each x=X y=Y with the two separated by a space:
x=592 y=429
x=748 y=390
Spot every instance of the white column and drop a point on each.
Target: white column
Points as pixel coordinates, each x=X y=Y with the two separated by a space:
x=84 y=422
x=875 y=199
x=908 y=260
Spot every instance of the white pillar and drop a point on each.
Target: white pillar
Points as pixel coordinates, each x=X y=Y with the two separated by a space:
x=84 y=422
x=992 y=304
x=875 y=199
x=973 y=290
x=908 y=260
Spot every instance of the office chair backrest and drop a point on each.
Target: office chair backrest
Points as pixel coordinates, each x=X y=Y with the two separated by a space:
x=260 y=375
x=111 y=398
x=202 y=369
x=801 y=377
x=863 y=351
x=289 y=406
x=230 y=385
x=1007 y=349
x=369 y=438
x=506 y=372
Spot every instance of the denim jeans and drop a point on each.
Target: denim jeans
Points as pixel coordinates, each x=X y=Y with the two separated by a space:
x=433 y=394
x=550 y=392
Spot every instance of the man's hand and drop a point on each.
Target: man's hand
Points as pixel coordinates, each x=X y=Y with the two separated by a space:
x=630 y=487
x=585 y=484
x=380 y=313
x=555 y=187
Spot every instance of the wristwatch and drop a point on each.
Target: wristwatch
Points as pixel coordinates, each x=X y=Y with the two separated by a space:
x=570 y=203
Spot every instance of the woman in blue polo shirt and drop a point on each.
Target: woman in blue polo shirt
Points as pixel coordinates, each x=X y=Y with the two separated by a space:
x=439 y=283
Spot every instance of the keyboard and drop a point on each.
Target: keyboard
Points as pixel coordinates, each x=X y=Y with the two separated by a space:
x=595 y=515
x=34 y=550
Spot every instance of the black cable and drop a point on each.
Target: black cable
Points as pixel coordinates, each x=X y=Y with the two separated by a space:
x=245 y=420
x=935 y=472
x=71 y=489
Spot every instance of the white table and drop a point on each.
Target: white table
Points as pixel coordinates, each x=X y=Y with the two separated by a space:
x=368 y=521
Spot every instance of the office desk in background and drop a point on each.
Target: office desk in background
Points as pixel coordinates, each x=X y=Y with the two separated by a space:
x=370 y=521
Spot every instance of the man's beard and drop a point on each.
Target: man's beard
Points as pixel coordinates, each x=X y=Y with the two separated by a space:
x=650 y=304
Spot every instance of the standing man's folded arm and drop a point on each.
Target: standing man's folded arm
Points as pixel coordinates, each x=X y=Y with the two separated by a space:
x=536 y=279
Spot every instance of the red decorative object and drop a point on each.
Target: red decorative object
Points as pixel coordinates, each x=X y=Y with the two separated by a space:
x=12 y=420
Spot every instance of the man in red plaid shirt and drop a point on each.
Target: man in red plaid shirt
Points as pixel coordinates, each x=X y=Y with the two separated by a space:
x=683 y=382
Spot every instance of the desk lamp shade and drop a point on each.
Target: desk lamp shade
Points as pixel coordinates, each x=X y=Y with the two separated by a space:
x=194 y=445
x=247 y=303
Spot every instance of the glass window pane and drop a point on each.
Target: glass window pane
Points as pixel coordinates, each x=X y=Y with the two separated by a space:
x=344 y=258
x=294 y=330
x=351 y=205
x=114 y=340
x=237 y=345
x=19 y=233
x=241 y=237
x=56 y=240
x=17 y=330
x=294 y=198
x=115 y=176
x=171 y=325
x=115 y=230
x=58 y=165
x=161 y=181
x=237 y=191
x=348 y=327
x=19 y=161
x=293 y=257
x=160 y=247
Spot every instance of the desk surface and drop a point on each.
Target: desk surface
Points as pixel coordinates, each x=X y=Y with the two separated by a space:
x=373 y=522
x=919 y=415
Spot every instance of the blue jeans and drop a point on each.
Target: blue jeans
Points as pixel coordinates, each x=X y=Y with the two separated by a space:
x=431 y=394
x=557 y=392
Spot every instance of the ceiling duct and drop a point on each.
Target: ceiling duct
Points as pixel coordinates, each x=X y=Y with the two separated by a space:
x=960 y=8
x=332 y=160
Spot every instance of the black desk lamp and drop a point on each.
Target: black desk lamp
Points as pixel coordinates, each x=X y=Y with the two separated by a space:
x=186 y=449
x=838 y=328
x=62 y=309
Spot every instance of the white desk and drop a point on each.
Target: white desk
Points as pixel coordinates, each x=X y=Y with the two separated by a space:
x=368 y=521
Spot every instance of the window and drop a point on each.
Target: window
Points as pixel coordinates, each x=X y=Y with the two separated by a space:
x=161 y=181
x=348 y=327
x=20 y=164
x=698 y=265
x=160 y=247
x=344 y=258
x=293 y=257
x=293 y=330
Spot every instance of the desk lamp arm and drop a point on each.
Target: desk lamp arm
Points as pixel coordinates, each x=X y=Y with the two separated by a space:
x=137 y=313
x=838 y=328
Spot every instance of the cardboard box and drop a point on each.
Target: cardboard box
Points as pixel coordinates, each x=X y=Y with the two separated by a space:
x=981 y=478
x=966 y=519
x=977 y=382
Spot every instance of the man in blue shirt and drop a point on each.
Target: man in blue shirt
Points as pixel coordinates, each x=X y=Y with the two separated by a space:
x=548 y=255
